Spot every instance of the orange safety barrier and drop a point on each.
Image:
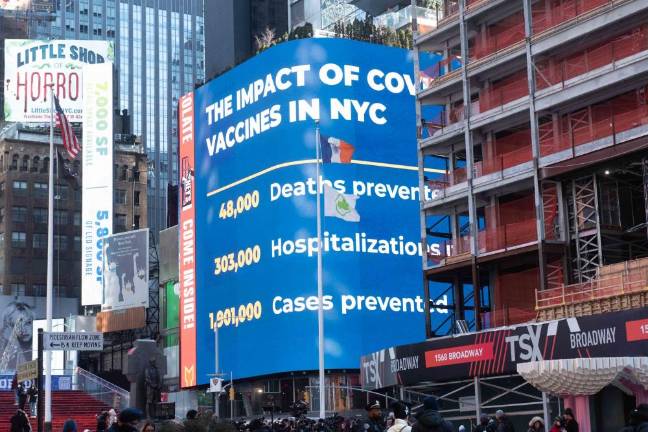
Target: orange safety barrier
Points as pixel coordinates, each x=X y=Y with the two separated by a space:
x=510 y=30
x=450 y=249
x=510 y=150
x=556 y=70
x=626 y=282
x=508 y=235
x=497 y=36
x=601 y=120
x=504 y=91
x=438 y=70
x=551 y=13
x=506 y=316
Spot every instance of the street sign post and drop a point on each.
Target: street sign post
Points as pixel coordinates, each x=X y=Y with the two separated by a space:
x=85 y=341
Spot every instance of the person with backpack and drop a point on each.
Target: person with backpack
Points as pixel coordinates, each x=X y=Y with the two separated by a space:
x=401 y=416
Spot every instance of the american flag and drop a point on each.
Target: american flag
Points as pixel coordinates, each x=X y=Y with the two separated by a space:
x=67 y=133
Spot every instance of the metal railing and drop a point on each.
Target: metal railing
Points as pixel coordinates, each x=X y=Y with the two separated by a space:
x=100 y=389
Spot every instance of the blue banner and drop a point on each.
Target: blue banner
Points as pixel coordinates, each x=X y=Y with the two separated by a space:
x=255 y=204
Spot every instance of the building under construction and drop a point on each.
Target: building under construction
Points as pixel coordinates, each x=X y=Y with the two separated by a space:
x=543 y=212
x=544 y=133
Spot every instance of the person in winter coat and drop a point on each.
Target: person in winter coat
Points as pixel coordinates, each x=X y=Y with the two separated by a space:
x=638 y=420
x=374 y=421
x=127 y=421
x=557 y=425
x=484 y=425
x=503 y=422
x=569 y=422
x=69 y=426
x=536 y=424
x=102 y=422
x=19 y=422
x=401 y=415
x=429 y=420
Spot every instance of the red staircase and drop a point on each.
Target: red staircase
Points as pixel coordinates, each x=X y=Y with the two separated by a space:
x=76 y=405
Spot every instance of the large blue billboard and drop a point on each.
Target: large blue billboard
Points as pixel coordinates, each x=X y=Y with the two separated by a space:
x=255 y=210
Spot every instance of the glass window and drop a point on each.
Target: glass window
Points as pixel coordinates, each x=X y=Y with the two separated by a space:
x=2 y=211
x=62 y=191
x=39 y=241
x=60 y=242
x=20 y=186
x=2 y=187
x=18 y=289
x=39 y=290
x=18 y=239
x=40 y=215
x=136 y=198
x=120 y=222
x=40 y=190
x=120 y=196
x=19 y=214
x=60 y=217
x=77 y=243
x=77 y=218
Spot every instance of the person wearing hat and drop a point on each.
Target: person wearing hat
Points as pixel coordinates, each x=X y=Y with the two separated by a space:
x=638 y=419
x=374 y=421
x=503 y=422
x=569 y=422
x=536 y=424
x=127 y=421
x=401 y=416
x=430 y=420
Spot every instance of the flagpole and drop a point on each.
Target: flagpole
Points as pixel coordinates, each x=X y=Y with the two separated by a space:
x=50 y=271
x=320 y=291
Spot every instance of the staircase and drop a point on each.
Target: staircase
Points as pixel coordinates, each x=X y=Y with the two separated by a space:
x=76 y=405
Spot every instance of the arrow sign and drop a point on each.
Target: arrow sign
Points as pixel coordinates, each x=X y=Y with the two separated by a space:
x=83 y=341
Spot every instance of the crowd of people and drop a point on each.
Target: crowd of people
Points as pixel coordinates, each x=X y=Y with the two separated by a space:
x=427 y=418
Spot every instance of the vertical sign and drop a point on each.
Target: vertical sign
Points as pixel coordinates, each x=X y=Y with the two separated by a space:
x=97 y=177
x=187 y=234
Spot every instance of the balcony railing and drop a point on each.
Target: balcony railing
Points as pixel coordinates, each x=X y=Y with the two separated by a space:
x=507 y=236
x=557 y=71
x=625 y=282
x=503 y=161
x=452 y=250
x=593 y=123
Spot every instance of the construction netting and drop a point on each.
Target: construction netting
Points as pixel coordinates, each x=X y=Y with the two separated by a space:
x=558 y=69
x=506 y=90
x=621 y=113
x=514 y=296
x=613 y=280
x=509 y=32
x=551 y=13
x=508 y=224
x=506 y=151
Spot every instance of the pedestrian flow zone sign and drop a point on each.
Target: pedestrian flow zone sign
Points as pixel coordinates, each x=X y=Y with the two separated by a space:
x=85 y=341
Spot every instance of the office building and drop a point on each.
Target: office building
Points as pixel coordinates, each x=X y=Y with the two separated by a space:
x=24 y=167
x=159 y=55
x=236 y=24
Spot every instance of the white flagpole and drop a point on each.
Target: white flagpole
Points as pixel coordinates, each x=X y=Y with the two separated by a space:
x=50 y=271
x=320 y=291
